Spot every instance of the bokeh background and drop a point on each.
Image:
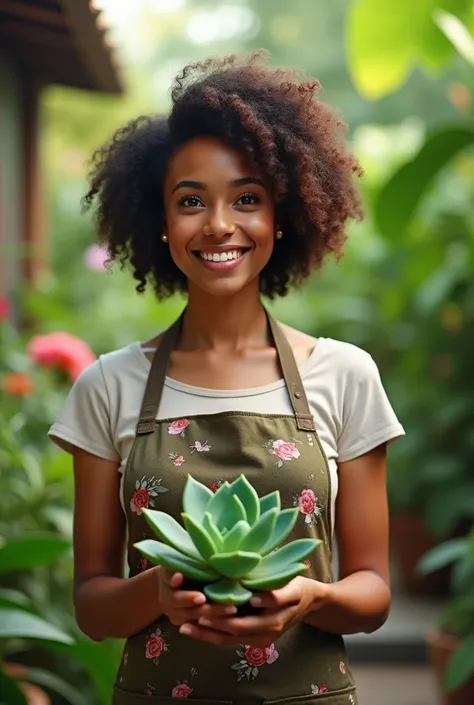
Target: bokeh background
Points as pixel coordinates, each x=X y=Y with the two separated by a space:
x=402 y=76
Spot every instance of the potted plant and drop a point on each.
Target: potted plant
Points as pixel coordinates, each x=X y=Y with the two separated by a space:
x=229 y=545
x=451 y=643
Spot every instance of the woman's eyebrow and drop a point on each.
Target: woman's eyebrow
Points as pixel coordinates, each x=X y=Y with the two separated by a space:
x=244 y=181
x=190 y=184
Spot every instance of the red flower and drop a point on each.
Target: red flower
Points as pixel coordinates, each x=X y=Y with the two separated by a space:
x=307 y=502
x=62 y=350
x=213 y=486
x=181 y=691
x=5 y=309
x=177 y=427
x=18 y=384
x=154 y=646
x=139 y=501
x=177 y=462
x=285 y=450
x=256 y=656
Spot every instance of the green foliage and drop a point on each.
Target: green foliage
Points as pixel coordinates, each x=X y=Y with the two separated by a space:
x=237 y=556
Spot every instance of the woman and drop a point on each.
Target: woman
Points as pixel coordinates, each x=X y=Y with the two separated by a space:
x=240 y=192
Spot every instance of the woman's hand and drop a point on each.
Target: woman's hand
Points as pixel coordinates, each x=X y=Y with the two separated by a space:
x=185 y=606
x=280 y=610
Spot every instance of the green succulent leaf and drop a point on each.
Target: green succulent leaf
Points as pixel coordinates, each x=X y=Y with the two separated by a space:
x=214 y=533
x=227 y=592
x=236 y=564
x=161 y=554
x=234 y=539
x=171 y=532
x=248 y=496
x=219 y=504
x=273 y=581
x=270 y=501
x=226 y=509
x=279 y=560
x=200 y=537
x=284 y=524
x=260 y=532
x=196 y=498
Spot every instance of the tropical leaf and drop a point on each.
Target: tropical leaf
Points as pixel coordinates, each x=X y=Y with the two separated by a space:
x=11 y=694
x=399 y=198
x=461 y=665
x=31 y=551
x=54 y=683
x=17 y=624
x=443 y=555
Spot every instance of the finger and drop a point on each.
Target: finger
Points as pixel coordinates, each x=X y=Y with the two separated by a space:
x=269 y=621
x=184 y=599
x=175 y=580
x=222 y=639
x=283 y=597
x=193 y=614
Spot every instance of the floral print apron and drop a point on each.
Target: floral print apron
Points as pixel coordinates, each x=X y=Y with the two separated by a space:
x=275 y=452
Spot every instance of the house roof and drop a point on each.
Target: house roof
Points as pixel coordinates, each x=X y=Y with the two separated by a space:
x=60 y=41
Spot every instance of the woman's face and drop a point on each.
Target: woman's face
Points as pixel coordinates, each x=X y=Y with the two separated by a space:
x=219 y=217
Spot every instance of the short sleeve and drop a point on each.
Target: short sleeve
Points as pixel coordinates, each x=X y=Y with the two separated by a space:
x=368 y=417
x=84 y=420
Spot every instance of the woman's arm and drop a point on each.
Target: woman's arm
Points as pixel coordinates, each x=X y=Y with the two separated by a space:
x=360 y=600
x=107 y=604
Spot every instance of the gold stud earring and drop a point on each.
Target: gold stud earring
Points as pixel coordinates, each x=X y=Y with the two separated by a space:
x=164 y=237
x=279 y=234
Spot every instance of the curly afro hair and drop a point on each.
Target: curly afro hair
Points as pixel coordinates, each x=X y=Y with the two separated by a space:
x=273 y=116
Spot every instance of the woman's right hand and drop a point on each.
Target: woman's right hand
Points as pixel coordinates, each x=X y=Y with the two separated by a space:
x=181 y=606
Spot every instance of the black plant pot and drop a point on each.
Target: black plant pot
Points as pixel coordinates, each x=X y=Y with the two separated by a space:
x=245 y=610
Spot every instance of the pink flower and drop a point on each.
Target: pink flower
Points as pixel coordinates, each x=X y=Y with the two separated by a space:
x=202 y=447
x=95 y=258
x=307 y=502
x=181 y=691
x=319 y=690
x=154 y=646
x=62 y=350
x=125 y=658
x=5 y=309
x=255 y=656
x=177 y=462
x=272 y=653
x=342 y=667
x=177 y=427
x=285 y=450
x=139 y=501
x=143 y=563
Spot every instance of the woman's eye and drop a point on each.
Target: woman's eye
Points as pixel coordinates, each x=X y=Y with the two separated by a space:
x=190 y=202
x=248 y=199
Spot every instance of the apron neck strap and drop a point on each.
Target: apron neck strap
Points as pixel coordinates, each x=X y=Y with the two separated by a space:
x=156 y=378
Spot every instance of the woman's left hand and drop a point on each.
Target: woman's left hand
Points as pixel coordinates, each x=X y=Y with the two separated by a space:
x=280 y=610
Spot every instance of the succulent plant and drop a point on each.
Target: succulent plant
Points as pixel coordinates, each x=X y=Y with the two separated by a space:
x=229 y=542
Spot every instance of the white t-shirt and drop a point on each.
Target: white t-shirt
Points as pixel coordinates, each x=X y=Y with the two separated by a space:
x=351 y=410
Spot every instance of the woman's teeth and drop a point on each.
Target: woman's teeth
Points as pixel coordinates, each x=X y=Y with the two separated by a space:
x=222 y=257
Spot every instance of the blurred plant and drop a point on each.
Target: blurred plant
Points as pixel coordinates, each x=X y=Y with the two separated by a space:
x=458 y=616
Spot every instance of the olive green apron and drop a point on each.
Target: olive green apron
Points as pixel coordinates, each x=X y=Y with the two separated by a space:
x=274 y=451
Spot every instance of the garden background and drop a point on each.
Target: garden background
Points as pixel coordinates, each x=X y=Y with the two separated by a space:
x=402 y=76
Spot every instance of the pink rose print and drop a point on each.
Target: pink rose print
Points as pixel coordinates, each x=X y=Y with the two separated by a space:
x=256 y=656
x=139 y=501
x=181 y=691
x=155 y=646
x=342 y=667
x=307 y=502
x=178 y=427
x=319 y=690
x=149 y=689
x=125 y=658
x=177 y=462
x=309 y=505
x=252 y=658
x=285 y=450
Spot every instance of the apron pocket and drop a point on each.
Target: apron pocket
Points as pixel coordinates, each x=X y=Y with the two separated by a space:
x=123 y=697
x=348 y=696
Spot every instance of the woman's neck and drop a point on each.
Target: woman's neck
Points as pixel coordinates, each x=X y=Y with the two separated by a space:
x=226 y=323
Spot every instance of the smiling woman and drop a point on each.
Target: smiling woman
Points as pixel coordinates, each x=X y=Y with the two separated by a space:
x=242 y=190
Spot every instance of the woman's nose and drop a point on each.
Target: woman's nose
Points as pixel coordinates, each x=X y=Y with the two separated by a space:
x=220 y=223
